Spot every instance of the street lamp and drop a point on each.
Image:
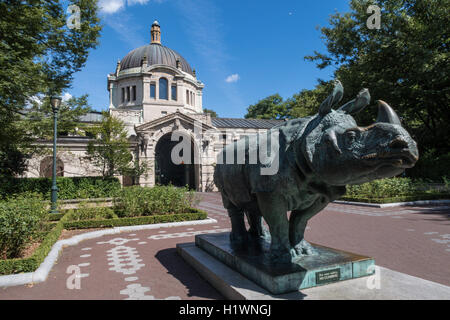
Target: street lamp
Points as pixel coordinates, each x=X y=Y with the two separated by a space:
x=55 y=102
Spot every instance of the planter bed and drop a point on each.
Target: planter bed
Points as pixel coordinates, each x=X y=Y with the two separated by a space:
x=59 y=222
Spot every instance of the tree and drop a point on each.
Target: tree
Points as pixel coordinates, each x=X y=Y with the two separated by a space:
x=38 y=118
x=39 y=55
x=307 y=102
x=405 y=63
x=110 y=150
x=271 y=107
x=38 y=52
x=212 y=112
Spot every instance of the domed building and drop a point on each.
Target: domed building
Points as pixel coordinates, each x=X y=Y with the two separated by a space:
x=153 y=81
x=156 y=93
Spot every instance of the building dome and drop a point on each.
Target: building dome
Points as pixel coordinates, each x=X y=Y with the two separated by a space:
x=154 y=53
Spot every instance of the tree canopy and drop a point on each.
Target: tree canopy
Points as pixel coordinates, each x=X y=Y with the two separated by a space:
x=404 y=63
x=212 y=112
x=39 y=54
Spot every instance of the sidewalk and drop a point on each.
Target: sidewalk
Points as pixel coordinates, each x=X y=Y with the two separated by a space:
x=144 y=264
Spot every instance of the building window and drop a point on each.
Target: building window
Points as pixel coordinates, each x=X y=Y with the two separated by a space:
x=128 y=94
x=163 y=87
x=134 y=93
x=123 y=95
x=163 y=113
x=174 y=92
x=153 y=90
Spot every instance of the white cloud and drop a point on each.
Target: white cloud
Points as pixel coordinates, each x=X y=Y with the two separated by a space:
x=111 y=6
x=131 y=2
x=232 y=78
x=66 y=96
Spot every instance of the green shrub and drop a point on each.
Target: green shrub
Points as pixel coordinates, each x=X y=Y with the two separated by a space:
x=142 y=201
x=20 y=218
x=86 y=212
x=68 y=187
x=394 y=189
x=30 y=264
x=383 y=188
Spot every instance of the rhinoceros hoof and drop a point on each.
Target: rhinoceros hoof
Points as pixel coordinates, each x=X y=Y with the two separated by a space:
x=283 y=257
x=304 y=248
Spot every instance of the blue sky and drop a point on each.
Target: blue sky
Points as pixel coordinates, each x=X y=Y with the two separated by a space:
x=242 y=50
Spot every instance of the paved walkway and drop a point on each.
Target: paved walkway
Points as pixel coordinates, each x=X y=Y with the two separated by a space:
x=144 y=264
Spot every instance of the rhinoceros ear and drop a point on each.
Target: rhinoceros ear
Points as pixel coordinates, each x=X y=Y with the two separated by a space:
x=357 y=104
x=332 y=99
x=387 y=114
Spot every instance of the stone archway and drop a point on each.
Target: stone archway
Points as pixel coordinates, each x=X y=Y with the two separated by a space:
x=46 y=167
x=167 y=172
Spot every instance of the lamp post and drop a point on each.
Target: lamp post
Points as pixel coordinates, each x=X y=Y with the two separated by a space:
x=55 y=102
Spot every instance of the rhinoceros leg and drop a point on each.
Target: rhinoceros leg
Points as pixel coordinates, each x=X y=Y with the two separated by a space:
x=254 y=218
x=274 y=212
x=238 y=233
x=297 y=226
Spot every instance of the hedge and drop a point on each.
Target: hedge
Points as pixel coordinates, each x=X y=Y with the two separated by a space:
x=68 y=187
x=133 y=221
x=418 y=197
x=30 y=264
x=33 y=262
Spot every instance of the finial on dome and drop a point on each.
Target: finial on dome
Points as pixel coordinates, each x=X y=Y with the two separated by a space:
x=118 y=67
x=144 y=61
x=155 y=32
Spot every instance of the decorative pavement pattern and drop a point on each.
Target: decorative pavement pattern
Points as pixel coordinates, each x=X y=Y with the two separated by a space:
x=144 y=265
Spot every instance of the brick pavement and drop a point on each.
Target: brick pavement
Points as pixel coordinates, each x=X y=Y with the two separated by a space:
x=144 y=264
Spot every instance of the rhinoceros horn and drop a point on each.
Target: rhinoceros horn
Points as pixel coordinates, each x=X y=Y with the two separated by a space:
x=387 y=114
x=357 y=104
x=332 y=99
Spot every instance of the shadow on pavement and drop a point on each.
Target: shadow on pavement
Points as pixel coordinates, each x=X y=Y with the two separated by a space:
x=178 y=268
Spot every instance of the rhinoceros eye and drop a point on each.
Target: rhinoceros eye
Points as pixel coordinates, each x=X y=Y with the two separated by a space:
x=351 y=136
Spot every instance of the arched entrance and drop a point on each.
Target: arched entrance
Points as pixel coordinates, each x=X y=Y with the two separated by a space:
x=167 y=172
x=46 y=167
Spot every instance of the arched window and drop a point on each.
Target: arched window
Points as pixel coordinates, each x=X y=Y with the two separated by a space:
x=46 y=167
x=163 y=87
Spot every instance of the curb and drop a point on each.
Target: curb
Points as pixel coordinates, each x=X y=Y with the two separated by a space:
x=41 y=273
x=395 y=204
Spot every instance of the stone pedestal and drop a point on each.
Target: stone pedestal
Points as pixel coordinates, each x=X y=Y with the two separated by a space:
x=328 y=266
